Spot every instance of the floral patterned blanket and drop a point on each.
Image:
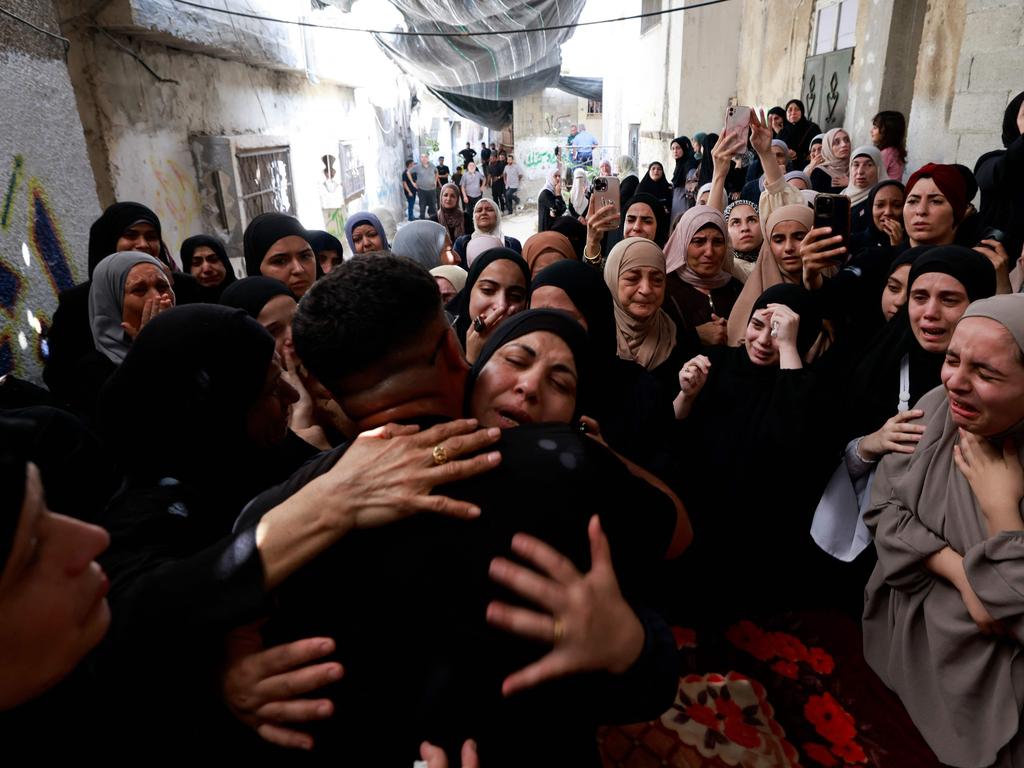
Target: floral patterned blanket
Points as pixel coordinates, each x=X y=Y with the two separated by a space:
x=789 y=691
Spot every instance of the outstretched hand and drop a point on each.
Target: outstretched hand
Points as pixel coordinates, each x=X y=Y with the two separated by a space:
x=760 y=133
x=266 y=688
x=388 y=473
x=585 y=618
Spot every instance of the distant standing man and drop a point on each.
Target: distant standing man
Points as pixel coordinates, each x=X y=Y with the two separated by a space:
x=583 y=146
x=442 y=173
x=485 y=154
x=426 y=187
x=468 y=155
x=409 y=187
x=513 y=175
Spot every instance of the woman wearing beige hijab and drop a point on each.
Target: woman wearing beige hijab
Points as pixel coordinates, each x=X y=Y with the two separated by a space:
x=635 y=275
x=833 y=174
x=778 y=262
x=944 y=609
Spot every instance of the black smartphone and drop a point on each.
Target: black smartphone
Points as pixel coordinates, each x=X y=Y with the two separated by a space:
x=833 y=211
x=991 y=233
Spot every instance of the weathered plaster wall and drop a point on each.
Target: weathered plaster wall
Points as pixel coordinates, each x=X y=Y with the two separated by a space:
x=929 y=138
x=772 y=50
x=710 y=66
x=139 y=128
x=643 y=87
x=541 y=122
x=47 y=193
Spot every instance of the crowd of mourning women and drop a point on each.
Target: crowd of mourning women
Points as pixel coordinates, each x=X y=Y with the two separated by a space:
x=444 y=498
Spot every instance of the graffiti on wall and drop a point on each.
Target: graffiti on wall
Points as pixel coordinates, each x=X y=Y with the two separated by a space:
x=32 y=275
x=176 y=199
x=557 y=126
x=541 y=159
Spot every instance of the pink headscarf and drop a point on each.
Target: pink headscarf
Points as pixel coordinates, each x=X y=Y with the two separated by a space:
x=691 y=222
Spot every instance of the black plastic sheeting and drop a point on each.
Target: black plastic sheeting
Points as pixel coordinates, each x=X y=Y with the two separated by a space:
x=479 y=76
x=585 y=87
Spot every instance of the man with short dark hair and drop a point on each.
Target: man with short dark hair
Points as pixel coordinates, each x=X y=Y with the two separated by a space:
x=442 y=173
x=513 y=178
x=468 y=154
x=406 y=604
x=426 y=187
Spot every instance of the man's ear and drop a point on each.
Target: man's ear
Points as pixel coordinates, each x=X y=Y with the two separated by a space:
x=454 y=356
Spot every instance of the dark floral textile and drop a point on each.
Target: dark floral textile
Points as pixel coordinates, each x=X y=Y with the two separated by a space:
x=792 y=690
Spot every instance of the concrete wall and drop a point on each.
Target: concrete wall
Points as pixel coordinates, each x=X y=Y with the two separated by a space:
x=139 y=129
x=47 y=195
x=541 y=122
x=710 y=66
x=988 y=74
x=773 y=46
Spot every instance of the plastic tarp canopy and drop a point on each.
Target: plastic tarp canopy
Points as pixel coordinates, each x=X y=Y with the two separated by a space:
x=479 y=75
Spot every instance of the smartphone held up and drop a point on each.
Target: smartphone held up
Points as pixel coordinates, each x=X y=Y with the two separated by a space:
x=833 y=211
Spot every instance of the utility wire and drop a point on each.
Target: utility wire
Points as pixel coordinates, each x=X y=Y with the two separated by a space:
x=27 y=23
x=450 y=34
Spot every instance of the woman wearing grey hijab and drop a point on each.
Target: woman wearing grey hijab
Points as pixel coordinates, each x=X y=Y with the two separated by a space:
x=127 y=290
x=425 y=242
x=944 y=609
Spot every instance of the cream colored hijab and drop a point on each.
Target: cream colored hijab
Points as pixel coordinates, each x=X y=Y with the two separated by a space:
x=766 y=272
x=647 y=342
x=833 y=166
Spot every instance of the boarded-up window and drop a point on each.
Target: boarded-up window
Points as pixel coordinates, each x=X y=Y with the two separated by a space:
x=265 y=175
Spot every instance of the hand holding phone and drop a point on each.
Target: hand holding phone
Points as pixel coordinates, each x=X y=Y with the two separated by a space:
x=833 y=211
x=738 y=119
x=605 y=192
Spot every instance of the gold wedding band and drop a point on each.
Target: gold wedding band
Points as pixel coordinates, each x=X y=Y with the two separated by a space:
x=440 y=455
x=558 y=632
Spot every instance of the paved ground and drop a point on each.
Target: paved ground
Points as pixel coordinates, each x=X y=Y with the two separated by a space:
x=521 y=225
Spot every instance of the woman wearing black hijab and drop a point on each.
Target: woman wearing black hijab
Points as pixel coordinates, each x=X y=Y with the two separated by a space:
x=205 y=259
x=633 y=413
x=999 y=175
x=277 y=245
x=749 y=452
x=493 y=403
x=643 y=216
x=706 y=170
x=896 y=369
x=328 y=249
x=682 y=153
x=484 y=311
x=179 y=580
x=656 y=185
x=887 y=213
x=798 y=132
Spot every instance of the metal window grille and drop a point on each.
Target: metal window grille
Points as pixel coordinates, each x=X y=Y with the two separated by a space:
x=265 y=175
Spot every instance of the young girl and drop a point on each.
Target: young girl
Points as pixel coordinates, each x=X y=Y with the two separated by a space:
x=889 y=134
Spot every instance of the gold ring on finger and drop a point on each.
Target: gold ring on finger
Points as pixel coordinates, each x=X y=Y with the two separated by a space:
x=439 y=454
x=557 y=632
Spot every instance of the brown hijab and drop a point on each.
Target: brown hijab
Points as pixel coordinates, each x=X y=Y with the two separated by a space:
x=690 y=223
x=962 y=689
x=539 y=244
x=766 y=272
x=453 y=219
x=647 y=342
